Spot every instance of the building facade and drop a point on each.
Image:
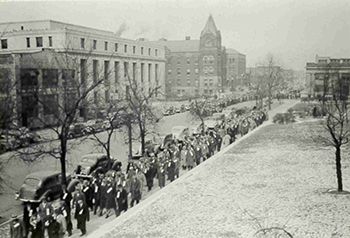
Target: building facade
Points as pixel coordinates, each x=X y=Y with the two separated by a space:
x=46 y=55
x=199 y=67
x=327 y=76
x=236 y=69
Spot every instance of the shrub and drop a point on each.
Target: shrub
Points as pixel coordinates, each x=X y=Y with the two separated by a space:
x=278 y=118
x=284 y=118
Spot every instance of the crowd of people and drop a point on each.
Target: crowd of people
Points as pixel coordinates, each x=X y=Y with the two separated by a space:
x=114 y=192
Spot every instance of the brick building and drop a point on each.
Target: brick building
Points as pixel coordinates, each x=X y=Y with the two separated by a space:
x=199 y=67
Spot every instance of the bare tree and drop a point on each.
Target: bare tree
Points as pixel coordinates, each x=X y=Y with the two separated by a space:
x=336 y=112
x=61 y=90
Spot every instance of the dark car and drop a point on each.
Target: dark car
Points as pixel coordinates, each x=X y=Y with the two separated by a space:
x=94 y=125
x=41 y=184
x=93 y=163
x=77 y=130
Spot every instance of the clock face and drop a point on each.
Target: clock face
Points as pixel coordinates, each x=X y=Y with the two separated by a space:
x=208 y=43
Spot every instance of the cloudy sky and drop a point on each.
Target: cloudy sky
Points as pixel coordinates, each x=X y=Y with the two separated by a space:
x=293 y=30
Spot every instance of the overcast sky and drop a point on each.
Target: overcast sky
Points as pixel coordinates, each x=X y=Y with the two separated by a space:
x=293 y=30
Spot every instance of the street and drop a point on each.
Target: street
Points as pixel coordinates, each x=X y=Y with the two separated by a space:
x=17 y=170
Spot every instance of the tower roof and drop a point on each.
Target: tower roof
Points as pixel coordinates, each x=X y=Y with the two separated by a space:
x=210 y=27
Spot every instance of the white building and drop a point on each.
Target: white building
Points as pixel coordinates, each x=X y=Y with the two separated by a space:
x=30 y=50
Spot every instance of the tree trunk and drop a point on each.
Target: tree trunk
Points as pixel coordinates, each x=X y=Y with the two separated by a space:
x=338 y=166
x=269 y=98
x=142 y=135
x=130 y=138
x=63 y=159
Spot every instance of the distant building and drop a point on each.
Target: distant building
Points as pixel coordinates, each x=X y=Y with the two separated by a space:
x=236 y=69
x=24 y=44
x=326 y=75
x=199 y=67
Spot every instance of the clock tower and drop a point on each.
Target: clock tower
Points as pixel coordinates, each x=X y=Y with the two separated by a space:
x=211 y=59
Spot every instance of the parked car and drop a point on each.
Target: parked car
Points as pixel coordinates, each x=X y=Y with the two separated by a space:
x=177 y=110
x=94 y=125
x=41 y=184
x=77 y=130
x=166 y=113
x=107 y=124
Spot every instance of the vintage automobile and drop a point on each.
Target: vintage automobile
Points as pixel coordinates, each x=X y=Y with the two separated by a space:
x=93 y=126
x=91 y=164
x=77 y=130
x=41 y=184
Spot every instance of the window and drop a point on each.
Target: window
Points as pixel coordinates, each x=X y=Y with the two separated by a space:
x=188 y=83
x=126 y=69
x=68 y=78
x=82 y=70
x=116 y=72
x=106 y=72
x=4 y=44
x=116 y=47
x=196 y=70
x=156 y=73
x=178 y=82
x=82 y=43
x=210 y=91
x=22 y=28
x=178 y=71
x=95 y=97
x=188 y=71
x=196 y=60
x=39 y=42
x=134 y=49
x=50 y=104
x=205 y=70
x=188 y=60
x=205 y=59
x=141 y=50
x=125 y=48
x=106 y=96
x=50 y=77
x=196 y=83
x=149 y=51
x=30 y=106
x=211 y=59
x=95 y=70
x=28 y=42
x=178 y=91
x=106 y=45
x=178 y=61
x=29 y=77
x=149 y=72
x=169 y=71
x=156 y=52
x=205 y=91
x=50 y=41
x=142 y=71
x=94 y=44
x=211 y=70
x=134 y=75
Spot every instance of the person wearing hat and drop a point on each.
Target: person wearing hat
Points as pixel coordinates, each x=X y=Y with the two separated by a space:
x=27 y=213
x=88 y=194
x=103 y=191
x=135 y=190
x=66 y=198
x=79 y=195
x=81 y=215
x=170 y=167
x=45 y=211
x=16 y=227
x=96 y=192
x=122 y=199
x=110 y=197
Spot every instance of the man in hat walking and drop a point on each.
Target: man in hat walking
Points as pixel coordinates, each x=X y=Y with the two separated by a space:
x=81 y=215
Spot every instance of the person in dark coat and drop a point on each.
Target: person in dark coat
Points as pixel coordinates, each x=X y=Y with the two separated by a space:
x=171 y=170
x=45 y=211
x=54 y=228
x=81 y=215
x=103 y=190
x=79 y=195
x=110 y=197
x=16 y=227
x=36 y=227
x=135 y=190
x=149 y=177
x=88 y=194
x=96 y=193
x=122 y=199
x=66 y=197
x=198 y=152
x=27 y=213
x=161 y=175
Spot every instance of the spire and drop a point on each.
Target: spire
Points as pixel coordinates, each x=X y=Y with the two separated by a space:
x=210 y=27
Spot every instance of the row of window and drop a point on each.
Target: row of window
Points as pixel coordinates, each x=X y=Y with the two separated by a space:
x=206 y=70
x=38 y=41
x=206 y=59
x=182 y=91
x=116 y=47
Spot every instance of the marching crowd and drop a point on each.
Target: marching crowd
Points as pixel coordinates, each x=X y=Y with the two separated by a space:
x=115 y=191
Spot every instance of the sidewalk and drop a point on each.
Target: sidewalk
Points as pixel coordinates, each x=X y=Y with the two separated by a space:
x=171 y=212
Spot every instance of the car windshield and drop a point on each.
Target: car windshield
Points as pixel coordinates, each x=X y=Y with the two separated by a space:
x=32 y=182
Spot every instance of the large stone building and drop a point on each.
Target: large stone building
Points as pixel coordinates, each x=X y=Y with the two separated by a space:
x=327 y=76
x=200 y=67
x=236 y=69
x=35 y=54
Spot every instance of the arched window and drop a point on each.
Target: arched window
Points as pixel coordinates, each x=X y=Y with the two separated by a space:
x=211 y=59
x=205 y=70
x=205 y=59
x=211 y=70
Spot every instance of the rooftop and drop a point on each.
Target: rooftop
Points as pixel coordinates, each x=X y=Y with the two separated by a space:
x=181 y=45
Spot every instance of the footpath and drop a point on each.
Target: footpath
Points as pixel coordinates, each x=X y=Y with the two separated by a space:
x=185 y=207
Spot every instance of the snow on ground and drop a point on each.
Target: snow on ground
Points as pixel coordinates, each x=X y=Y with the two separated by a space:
x=277 y=177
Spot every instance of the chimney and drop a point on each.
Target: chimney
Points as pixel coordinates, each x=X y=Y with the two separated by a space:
x=188 y=38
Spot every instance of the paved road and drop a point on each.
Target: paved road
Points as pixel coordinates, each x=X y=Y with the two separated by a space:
x=17 y=169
